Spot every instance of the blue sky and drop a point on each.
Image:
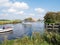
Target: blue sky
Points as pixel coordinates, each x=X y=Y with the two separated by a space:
x=21 y=9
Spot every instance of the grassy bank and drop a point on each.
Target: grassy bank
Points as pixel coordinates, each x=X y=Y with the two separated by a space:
x=49 y=38
x=9 y=21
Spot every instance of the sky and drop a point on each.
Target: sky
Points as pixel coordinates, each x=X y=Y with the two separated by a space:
x=21 y=9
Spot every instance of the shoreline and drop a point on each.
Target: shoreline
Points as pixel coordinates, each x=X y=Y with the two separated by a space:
x=2 y=22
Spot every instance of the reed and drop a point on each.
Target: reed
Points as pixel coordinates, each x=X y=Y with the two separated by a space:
x=48 y=38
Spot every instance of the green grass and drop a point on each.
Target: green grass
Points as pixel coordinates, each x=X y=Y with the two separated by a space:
x=49 y=38
x=9 y=21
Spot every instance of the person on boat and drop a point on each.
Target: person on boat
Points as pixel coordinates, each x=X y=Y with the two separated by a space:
x=3 y=27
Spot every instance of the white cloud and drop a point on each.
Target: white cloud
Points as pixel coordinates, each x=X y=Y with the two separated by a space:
x=20 y=5
x=39 y=10
x=31 y=14
x=20 y=12
x=11 y=10
x=8 y=4
x=14 y=11
x=3 y=14
x=3 y=1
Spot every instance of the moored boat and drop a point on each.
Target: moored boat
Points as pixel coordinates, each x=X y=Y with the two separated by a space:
x=26 y=23
x=6 y=30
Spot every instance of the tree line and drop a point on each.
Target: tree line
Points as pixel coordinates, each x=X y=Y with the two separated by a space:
x=52 y=17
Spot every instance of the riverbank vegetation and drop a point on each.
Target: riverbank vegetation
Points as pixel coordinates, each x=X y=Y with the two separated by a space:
x=48 y=38
x=9 y=21
x=38 y=20
x=52 y=17
x=6 y=21
x=30 y=19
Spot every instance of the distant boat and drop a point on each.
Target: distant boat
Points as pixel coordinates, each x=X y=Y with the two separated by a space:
x=26 y=23
x=6 y=30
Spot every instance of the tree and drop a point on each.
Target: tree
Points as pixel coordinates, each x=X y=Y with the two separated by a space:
x=29 y=19
x=38 y=20
x=58 y=16
x=50 y=17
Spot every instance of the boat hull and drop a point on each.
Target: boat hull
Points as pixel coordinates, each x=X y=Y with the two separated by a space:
x=5 y=30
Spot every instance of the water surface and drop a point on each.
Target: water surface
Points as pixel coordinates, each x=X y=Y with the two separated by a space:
x=20 y=30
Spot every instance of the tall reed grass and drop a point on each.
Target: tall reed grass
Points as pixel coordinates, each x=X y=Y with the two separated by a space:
x=48 y=38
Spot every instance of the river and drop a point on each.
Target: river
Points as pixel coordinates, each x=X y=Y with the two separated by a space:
x=20 y=30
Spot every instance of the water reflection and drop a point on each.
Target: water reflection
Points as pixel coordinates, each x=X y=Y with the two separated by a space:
x=28 y=29
x=6 y=34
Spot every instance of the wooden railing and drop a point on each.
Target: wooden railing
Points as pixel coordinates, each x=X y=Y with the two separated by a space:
x=52 y=26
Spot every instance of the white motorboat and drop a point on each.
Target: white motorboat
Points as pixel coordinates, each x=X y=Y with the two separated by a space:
x=6 y=30
x=26 y=23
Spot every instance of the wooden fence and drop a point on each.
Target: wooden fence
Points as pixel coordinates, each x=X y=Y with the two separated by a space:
x=52 y=27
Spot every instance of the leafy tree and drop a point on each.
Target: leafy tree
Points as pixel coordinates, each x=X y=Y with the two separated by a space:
x=52 y=17
x=29 y=19
x=58 y=16
x=38 y=20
